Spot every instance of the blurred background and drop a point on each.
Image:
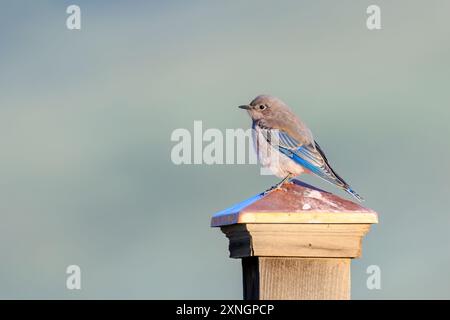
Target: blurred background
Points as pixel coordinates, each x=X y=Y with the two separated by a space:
x=86 y=117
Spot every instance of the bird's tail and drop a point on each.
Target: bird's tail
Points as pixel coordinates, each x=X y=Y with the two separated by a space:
x=354 y=194
x=327 y=173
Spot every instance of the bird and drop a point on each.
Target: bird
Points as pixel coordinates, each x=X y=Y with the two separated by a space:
x=286 y=146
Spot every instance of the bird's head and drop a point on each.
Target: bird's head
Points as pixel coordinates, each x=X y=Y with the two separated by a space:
x=265 y=107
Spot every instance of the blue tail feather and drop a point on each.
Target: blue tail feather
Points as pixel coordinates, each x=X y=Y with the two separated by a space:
x=325 y=172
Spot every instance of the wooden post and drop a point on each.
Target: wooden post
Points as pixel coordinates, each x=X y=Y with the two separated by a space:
x=295 y=243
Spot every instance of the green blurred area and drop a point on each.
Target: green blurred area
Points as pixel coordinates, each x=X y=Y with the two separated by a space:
x=86 y=118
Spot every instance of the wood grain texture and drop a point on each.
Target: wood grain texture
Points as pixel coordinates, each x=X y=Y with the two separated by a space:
x=273 y=278
x=306 y=217
x=296 y=240
x=295 y=243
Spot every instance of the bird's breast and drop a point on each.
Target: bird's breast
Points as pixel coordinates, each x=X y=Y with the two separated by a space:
x=270 y=157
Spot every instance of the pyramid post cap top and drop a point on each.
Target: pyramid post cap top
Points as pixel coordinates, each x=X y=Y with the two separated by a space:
x=296 y=202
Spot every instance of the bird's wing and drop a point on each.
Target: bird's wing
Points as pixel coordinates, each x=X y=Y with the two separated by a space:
x=281 y=140
x=308 y=155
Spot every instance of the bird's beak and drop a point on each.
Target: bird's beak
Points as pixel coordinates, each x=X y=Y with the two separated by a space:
x=245 y=107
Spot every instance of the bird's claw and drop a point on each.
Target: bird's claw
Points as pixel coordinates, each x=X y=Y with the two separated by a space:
x=272 y=189
x=278 y=186
x=265 y=193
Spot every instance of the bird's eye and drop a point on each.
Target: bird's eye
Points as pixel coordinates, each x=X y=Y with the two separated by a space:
x=262 y=107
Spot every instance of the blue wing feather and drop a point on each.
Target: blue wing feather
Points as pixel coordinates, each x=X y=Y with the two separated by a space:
x=308 y=156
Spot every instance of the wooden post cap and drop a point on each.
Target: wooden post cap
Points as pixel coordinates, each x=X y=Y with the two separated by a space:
x=296 y=202
x=296 y=221
x=295 y=243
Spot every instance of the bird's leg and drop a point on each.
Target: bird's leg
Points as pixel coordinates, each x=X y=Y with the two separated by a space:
x=279 y=184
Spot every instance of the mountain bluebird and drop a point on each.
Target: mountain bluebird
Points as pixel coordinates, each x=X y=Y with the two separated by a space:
x=285 y=145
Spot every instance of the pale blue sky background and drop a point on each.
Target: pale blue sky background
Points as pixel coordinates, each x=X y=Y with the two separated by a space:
x=86 y=118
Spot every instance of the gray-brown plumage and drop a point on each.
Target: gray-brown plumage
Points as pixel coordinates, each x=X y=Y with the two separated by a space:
x=277 y=130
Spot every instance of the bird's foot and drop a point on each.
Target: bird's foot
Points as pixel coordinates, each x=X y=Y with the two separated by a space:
x=278 y=186
x=270 y=190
